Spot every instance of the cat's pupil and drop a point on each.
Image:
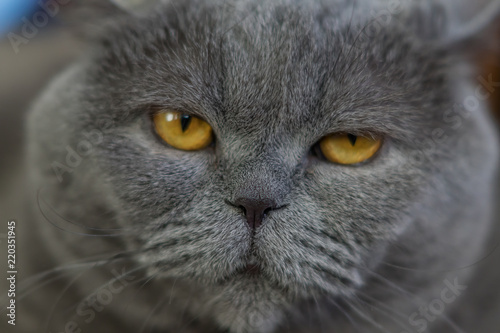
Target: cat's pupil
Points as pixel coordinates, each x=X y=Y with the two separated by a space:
x=352 y=139
x=185 y=121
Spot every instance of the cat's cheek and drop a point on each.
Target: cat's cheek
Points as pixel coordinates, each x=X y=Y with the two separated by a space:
x=150 y=185
x=373 y=199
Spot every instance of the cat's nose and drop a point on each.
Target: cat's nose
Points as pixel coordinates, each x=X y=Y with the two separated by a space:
x=255 y=209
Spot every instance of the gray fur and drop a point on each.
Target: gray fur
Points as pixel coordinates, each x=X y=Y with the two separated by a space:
x=272 y=78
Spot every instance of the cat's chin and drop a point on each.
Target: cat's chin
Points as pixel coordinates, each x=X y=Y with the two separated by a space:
x=249 y=303
x=250 y=270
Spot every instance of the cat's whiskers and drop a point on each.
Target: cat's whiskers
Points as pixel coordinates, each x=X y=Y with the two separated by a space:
x=385 y=311
x=355 y=296
x=58 y=299
x=346 y=314
x=450 y=270
x=157 y=306
x=366 y=317
x=148 y=280
x=188 y=323
x=80 y=225
x=416 y=300
x=318 y=307
x=38 y=281
x=110 y=282
x=90 y=262
x=379 y=303
x=402 y=315
x=355 y=61
x=342 y=48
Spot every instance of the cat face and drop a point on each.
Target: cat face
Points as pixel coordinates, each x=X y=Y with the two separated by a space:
x=271 y=80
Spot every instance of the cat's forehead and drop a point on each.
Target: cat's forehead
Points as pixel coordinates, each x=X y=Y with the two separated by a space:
x=290 y=62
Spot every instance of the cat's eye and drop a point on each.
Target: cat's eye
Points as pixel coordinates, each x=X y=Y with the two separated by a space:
x=183 y=131
x=349 y=149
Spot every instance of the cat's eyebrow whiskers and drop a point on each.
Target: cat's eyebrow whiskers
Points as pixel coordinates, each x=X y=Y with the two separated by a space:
x=348 y=32
x=348 y=56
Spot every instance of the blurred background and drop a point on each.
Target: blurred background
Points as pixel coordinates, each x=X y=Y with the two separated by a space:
x=26 y=66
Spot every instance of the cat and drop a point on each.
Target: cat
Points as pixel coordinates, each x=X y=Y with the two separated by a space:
x=266 y=228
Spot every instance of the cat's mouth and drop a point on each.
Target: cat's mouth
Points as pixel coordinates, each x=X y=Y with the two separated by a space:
x=252 y=266
x=251 y=269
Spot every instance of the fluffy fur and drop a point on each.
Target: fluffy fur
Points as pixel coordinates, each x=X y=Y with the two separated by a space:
x=353 y=248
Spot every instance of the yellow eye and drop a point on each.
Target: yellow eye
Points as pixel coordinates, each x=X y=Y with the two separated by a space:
x=348 y=148
x=183 y=131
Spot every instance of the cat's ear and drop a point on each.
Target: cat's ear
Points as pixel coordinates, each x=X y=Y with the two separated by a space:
x=459 y=24
x=472 y=21
x=91 y=18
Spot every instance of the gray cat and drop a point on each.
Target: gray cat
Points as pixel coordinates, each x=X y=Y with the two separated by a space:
x=264 y=166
